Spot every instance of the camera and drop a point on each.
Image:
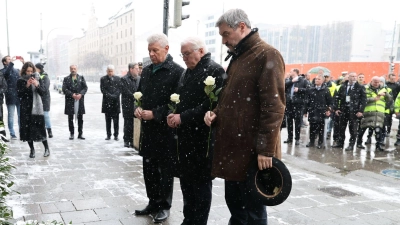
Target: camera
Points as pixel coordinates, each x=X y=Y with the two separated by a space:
x=33 y=76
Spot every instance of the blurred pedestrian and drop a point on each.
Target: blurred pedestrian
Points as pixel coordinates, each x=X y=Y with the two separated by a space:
x=30 y=88
x=46 y=99
x=74 y=87
x=110 y=87
x=12 y=101
x=158 y=82
x=3 y=89
x=129 y=85
x=249 y=112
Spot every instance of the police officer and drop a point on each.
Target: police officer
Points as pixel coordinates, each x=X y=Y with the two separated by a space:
x=349 y=105
x=374 y=112
x=295 y=88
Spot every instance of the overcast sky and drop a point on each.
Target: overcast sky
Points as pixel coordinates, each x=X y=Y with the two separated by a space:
x=70 y=16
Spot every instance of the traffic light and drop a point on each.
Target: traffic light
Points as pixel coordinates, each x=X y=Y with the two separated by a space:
x=178 y=17
x=391 y=67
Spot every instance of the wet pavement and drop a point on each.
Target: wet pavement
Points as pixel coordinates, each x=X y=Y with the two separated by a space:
x=99 y=182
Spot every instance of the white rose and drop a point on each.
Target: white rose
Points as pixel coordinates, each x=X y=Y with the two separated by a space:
x=209 y=81
x=175 y=98
x=137 y=95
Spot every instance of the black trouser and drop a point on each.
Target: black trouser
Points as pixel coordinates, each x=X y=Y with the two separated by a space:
x=71 y=124
x=378 y=134
x=352 y=119
x=294 y=112
x=336 y=128
x=2 y=127
x=317 y=129
x=196 y=200
x=387 y=126
x=159 y=182
x=244 y=210
x=388 y=122
x=128 y=129
x=115 y=118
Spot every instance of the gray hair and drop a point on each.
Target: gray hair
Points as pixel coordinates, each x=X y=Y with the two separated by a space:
x=132 y=65
x=196 y=43
x=233 y=17
x=383 y=80
x=110 y=67
x=160 y=38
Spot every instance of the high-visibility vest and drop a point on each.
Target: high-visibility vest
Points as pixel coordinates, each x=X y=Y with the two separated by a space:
x=375 y=106
x=332 y=88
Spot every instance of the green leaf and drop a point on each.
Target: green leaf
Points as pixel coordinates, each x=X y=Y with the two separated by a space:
x=170 y=107
x=215 y=99
x=212 y=96
x=218 y=90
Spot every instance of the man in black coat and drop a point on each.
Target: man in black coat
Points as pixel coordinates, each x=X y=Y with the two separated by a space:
x=110 y=87
x=158 y=81
x=349 y=104
x=194 y=164
x=45 y=97
x=74 y=88
x=3 y=89
x=319 y=103
x=395 y=86
x=296 y=90
x=130 y=84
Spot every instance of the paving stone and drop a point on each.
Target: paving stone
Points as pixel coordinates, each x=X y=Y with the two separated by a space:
x=80 y=216
x=325 y=200
x=376 y=218
x=65 y=206
x=45 y=217
x=302 y=202
x=93 y=203
x=49 y=208
x=363 y=208
x=340 y=221
x=108 y=222
x=292 y=217
x=340 y=210
x=112 y=213
x=384 y=205
x=67 y=195
x=119 y=201
x=94 y=193
x=317 y=214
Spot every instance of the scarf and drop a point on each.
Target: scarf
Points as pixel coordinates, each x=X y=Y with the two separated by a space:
x=37 y=104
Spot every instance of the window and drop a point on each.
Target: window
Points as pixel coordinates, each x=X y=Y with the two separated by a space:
x=117 y=35
x=121 y=50
x=126 y=19
x=131 y=20
x=130 y=47
x=116 y=49
x=126 y=32
x=131 y=31
x=121 y=33
x=117 y=23
x=126 y=47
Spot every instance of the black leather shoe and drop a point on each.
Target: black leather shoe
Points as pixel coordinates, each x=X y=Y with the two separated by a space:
x=379 y=148
x=131 y=145
x=288 y=141
x=349 y=148
x=297 y=142
x=161 y=216
x=71 y=137
x=46 y=152
x=81 y=137
x=116 y=138
x=360 y=146
x=108 y=138
x=32 y=154
x=397 y=143
x=337 y=146
x=310 y=144
x=319 y=146
x=146 y=211
x=126 y=144
x=49 y=132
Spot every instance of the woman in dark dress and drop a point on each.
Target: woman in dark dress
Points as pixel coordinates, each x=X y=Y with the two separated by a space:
x=30 y=89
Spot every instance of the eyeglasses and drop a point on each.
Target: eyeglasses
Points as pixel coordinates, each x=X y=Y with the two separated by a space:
x=183 y=55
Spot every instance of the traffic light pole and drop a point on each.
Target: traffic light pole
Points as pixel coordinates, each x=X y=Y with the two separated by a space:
x=165 y=24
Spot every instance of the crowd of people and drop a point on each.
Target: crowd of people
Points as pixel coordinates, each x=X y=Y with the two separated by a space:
x=205 y=134
x=332 y=106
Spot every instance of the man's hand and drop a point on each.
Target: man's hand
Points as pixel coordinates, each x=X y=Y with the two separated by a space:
x=338 y=112
x=174 y=120
x=138 y=113
x=209 y=117
x=296 y=89
x=147 y=115
x=359 y=114
x=264 y=162
x=78 y=96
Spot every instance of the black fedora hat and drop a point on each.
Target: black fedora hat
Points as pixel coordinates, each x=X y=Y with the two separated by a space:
x=270 y=186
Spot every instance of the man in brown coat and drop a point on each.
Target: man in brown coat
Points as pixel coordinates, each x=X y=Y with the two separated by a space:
x=248 y=115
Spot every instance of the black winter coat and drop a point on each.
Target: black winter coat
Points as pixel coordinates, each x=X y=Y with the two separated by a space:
x=193 y=132
x=46 y=95
x=318 y=102
x=32 y=127
x=69 y=88
x=129 y=86
x=157 y=88
x=299 y=97
x=358 y=98
x=3 y=88
x=11 y=75
x=111 y=89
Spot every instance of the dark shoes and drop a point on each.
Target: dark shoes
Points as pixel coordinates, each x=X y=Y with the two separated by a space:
x=46 y=152
x=379 y=148
x=71 y=137
x=149 y=209
x=297 y=142
x=337 y=146
x=81 y=137
x=161 y=216
x=288 y=141
x=397 y=143
x=349 y=148
x=131 y=145
x=32 y=154
x=116 y=138
x=49 y=133
x=320 y=145
x=310 y=144
x=126 y=144
x=360 y=146
x=108 y=138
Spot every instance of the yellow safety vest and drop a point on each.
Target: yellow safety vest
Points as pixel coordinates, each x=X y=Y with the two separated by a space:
x=375 y=106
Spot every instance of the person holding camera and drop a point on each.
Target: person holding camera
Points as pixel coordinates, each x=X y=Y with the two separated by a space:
x=30 y=89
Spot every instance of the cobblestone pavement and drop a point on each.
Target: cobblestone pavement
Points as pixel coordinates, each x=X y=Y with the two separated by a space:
x=99 y=182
